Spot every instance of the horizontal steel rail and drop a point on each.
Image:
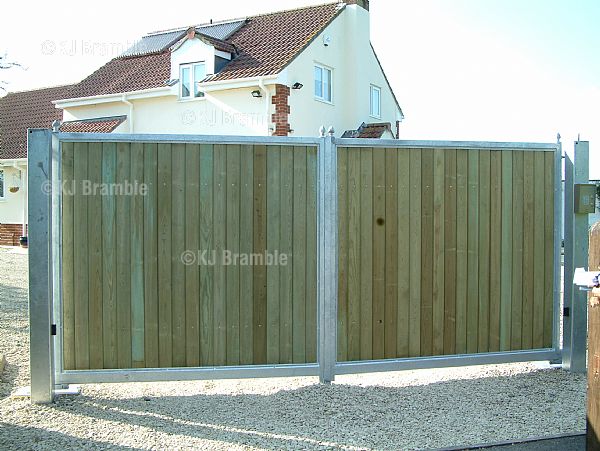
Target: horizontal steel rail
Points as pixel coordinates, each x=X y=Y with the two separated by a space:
x=397 y=143
x=416 y=363
x=188 y=139
x=185 y=374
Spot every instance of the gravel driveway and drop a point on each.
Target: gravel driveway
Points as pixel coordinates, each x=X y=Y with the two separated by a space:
x=401 y=410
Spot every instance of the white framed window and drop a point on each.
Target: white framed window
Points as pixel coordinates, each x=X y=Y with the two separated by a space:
x=323 y=83
x=375 y=101
x=189 y=77
x=1 y=183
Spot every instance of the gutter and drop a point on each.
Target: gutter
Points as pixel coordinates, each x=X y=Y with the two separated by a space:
x=106 y=98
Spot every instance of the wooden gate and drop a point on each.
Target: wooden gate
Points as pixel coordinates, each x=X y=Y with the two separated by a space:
x=444 y=251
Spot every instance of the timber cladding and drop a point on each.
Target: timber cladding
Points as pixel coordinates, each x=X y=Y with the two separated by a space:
x=128 y=299
x=444 y=251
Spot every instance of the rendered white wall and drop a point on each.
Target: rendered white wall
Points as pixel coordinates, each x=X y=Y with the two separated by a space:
x=355 y=68
x=11 y=207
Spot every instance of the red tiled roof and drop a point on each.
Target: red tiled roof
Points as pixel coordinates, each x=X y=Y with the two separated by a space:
x=99 y=125
x=375 y=130
x=22 y=110
x=125 y=75
x=265 y=45
x=268 y=43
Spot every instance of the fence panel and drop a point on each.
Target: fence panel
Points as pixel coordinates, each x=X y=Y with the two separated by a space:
x=444 y=251
x=145 y=281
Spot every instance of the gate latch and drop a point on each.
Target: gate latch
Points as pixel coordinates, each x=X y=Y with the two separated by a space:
x=53 y=329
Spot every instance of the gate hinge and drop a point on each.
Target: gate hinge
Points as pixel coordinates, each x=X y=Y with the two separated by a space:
x=566 y=311
x=53 y=329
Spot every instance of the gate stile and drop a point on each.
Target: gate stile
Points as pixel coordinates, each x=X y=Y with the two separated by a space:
x=436 y=162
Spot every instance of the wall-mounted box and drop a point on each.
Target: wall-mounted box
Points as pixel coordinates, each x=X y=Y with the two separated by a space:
x=585 y=198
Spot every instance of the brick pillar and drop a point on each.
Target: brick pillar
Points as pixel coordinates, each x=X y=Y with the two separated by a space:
x=282 y=110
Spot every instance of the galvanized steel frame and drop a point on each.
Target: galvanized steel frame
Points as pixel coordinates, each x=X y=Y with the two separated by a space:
x=45 y=292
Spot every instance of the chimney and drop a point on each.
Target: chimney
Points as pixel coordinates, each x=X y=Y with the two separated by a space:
x=362 y=3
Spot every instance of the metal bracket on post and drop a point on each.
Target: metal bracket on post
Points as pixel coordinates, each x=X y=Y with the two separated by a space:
x=39 y=163
x=580 y=240
x=327 y=258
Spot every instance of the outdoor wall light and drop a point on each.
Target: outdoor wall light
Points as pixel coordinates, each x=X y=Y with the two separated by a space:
x=256 y=93
x=297 y=85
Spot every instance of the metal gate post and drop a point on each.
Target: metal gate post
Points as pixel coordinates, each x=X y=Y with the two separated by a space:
x=39 y=166
x=580 y=259
x=327 y=258
x=568 y=262
x=558 y=218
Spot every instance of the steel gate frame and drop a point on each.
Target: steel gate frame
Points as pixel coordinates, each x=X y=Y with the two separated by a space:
x=45 y=261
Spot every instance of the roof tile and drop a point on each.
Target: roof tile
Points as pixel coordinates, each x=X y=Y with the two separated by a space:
x=22 y=110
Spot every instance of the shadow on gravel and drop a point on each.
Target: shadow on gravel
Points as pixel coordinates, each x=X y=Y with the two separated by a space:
x=15 y=437
x=7 y=380
x=439 y=414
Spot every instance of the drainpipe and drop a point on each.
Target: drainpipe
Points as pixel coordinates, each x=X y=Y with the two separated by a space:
x=263 y=88
x=130 y=117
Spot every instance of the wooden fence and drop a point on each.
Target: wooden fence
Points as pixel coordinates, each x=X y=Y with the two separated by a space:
x=444 y=251
x=128 y=300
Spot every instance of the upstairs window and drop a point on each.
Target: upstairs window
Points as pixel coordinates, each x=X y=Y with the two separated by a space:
x=323 y=83
x=375 y=101
x=189 y=76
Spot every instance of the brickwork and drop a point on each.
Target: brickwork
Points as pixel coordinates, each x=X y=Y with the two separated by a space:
x=282 y=110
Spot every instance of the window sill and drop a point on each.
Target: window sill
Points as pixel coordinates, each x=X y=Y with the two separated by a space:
x=375 y=117
x=327 y=102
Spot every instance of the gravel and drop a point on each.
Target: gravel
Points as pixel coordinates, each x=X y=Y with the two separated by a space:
x=399 y=410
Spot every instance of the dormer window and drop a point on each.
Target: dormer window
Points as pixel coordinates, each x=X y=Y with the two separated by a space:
x=189 y=76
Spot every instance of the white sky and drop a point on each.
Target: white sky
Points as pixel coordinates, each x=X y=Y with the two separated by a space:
x=502 y=70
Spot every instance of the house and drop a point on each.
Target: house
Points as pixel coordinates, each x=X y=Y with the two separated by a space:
x=284 y=74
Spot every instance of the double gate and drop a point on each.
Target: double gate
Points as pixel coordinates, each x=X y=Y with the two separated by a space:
x=163 y=257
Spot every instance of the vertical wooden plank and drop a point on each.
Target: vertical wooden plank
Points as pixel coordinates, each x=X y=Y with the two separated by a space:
x=379 y=251
x=495 y=248
x=299 y=258
x=196 y=205
x=81 y=274
x=539 y=259
x=233 y=247
x=404 y=246
x=286 y=248
x=354 y=248
x=219 y=234
x=391 y=253
x=366 y=252
x=462 y=220
x=506 y=250
x=484 y=251
x=165 y=312
x=427 y=253
x=311 y=254
x=246 y=237
x=109 y=259
x=450 y=252
x=151 y=256
x=473 y=252
x=178 y=285
x=517 y=252
x=137 y=258
x=273 y=229
x=68 y=313
x=259 y=282
x=202 y=232
x=528 y=250
x=123 y=232
x=342 y=310
x=549 y=248
x=414 y=342
x=439 y=244
x=95 y=256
